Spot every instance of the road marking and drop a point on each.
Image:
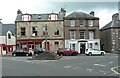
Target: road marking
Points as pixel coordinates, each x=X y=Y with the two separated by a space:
x=99 y=65
x=90 y=70
x=102 y=72
x=113 y=69
x=67 y=66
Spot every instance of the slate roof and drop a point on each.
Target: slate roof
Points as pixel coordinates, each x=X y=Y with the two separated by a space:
x=7 y=27
x=44 y=17
x=80 y=15
x=113 y=24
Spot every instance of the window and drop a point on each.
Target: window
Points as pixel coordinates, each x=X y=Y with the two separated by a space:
x=34 y=31
x=81 y=22
x=91 y=35
x=90 y=45
x=39 y=16
x=72 y=46
x=53 y=17
x=44 y=31
x=26 y=18
x=9 y=36
x=72 y=23
x=56 y=32
x=56 y=45
x=81 y=35
x=72 y=34
x=23 y=31
x=90 y=23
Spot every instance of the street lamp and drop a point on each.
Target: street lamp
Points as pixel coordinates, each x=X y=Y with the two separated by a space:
x=46 y=36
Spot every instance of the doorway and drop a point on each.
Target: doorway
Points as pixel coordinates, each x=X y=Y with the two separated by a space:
x=31 y=47
x=82 y=48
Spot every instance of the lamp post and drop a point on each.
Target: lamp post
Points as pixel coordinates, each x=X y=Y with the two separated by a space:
x=46 y=36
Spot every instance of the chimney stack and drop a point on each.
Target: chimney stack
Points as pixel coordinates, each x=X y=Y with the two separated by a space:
x=62 y=10
x=19 y=12
x=115 y=16
x=92 y=13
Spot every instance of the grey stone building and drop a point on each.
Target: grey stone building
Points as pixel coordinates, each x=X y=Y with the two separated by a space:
x=110 y=35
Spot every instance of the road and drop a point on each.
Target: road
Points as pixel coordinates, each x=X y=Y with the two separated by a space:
x=80 y=65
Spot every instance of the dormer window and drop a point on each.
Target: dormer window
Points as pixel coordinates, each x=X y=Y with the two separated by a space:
x=52 y=17
x=26 y=17
x=39 y=16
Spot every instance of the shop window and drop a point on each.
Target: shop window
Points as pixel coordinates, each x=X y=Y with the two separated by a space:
x=72 y=46
x=4 y=48
x=56 y=45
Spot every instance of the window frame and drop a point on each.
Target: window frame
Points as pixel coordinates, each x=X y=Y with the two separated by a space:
x=90 y=23
x=82 y=36
x=21 y=31
x=72 y=34
x=72 y=23
x=34 y=31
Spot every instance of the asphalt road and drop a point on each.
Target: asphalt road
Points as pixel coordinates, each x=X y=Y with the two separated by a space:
x=80 y=65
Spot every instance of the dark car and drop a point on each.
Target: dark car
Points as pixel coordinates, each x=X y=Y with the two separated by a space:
x=20 y=52
x=66 y=51
x=38 y=51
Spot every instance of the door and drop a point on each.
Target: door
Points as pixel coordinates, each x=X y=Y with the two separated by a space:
x=3 y=50
x=31 y=47
x=82 y=48
x=48 y=46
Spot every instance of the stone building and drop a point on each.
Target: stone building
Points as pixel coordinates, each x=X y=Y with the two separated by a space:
x=81 y=31
x=31 y=30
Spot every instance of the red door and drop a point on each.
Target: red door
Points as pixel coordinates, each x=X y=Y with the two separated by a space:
x=48 y=45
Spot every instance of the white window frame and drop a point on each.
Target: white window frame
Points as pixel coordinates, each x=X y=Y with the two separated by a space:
x=81 y=22
x=91 y=34
x=83 y=34
x=26 y=17
x=72 y=34
x=72 y=23
x=90 y=23
x=72 y=46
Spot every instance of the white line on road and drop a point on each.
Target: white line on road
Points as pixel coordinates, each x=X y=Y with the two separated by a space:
x=99 y=65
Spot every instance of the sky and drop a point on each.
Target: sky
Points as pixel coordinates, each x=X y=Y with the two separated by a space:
x=102 y=8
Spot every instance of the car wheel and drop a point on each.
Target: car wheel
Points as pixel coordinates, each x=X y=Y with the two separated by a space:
x=90 y=54
x=14 y=54
x=27 y=54
x=36 y=54
x=61 y=54
x=102 y=53
x=74 y=53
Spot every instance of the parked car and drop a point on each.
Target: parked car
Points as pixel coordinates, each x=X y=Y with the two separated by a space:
x=94 y=52
x=66 y=51
x=20 y=52
x=38 y=51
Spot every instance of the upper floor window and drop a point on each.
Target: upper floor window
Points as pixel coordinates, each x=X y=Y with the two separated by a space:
x=9 y=36
x=90 y=22
x=44 y=31
x=72 y=34
x=23 y=31
x=26 y=17
x=81 y=35
x=56 y=32
x=72 y=23
x=81 y=22
x=52 y=17
x=91 y=35
x=34 y=31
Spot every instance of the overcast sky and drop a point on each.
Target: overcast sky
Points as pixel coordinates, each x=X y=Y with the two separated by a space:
x=103 y=9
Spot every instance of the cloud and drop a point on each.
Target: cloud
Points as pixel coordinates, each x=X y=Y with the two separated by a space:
x=105 y=16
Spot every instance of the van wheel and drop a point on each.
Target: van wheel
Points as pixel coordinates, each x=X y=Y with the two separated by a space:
x=90 y=54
